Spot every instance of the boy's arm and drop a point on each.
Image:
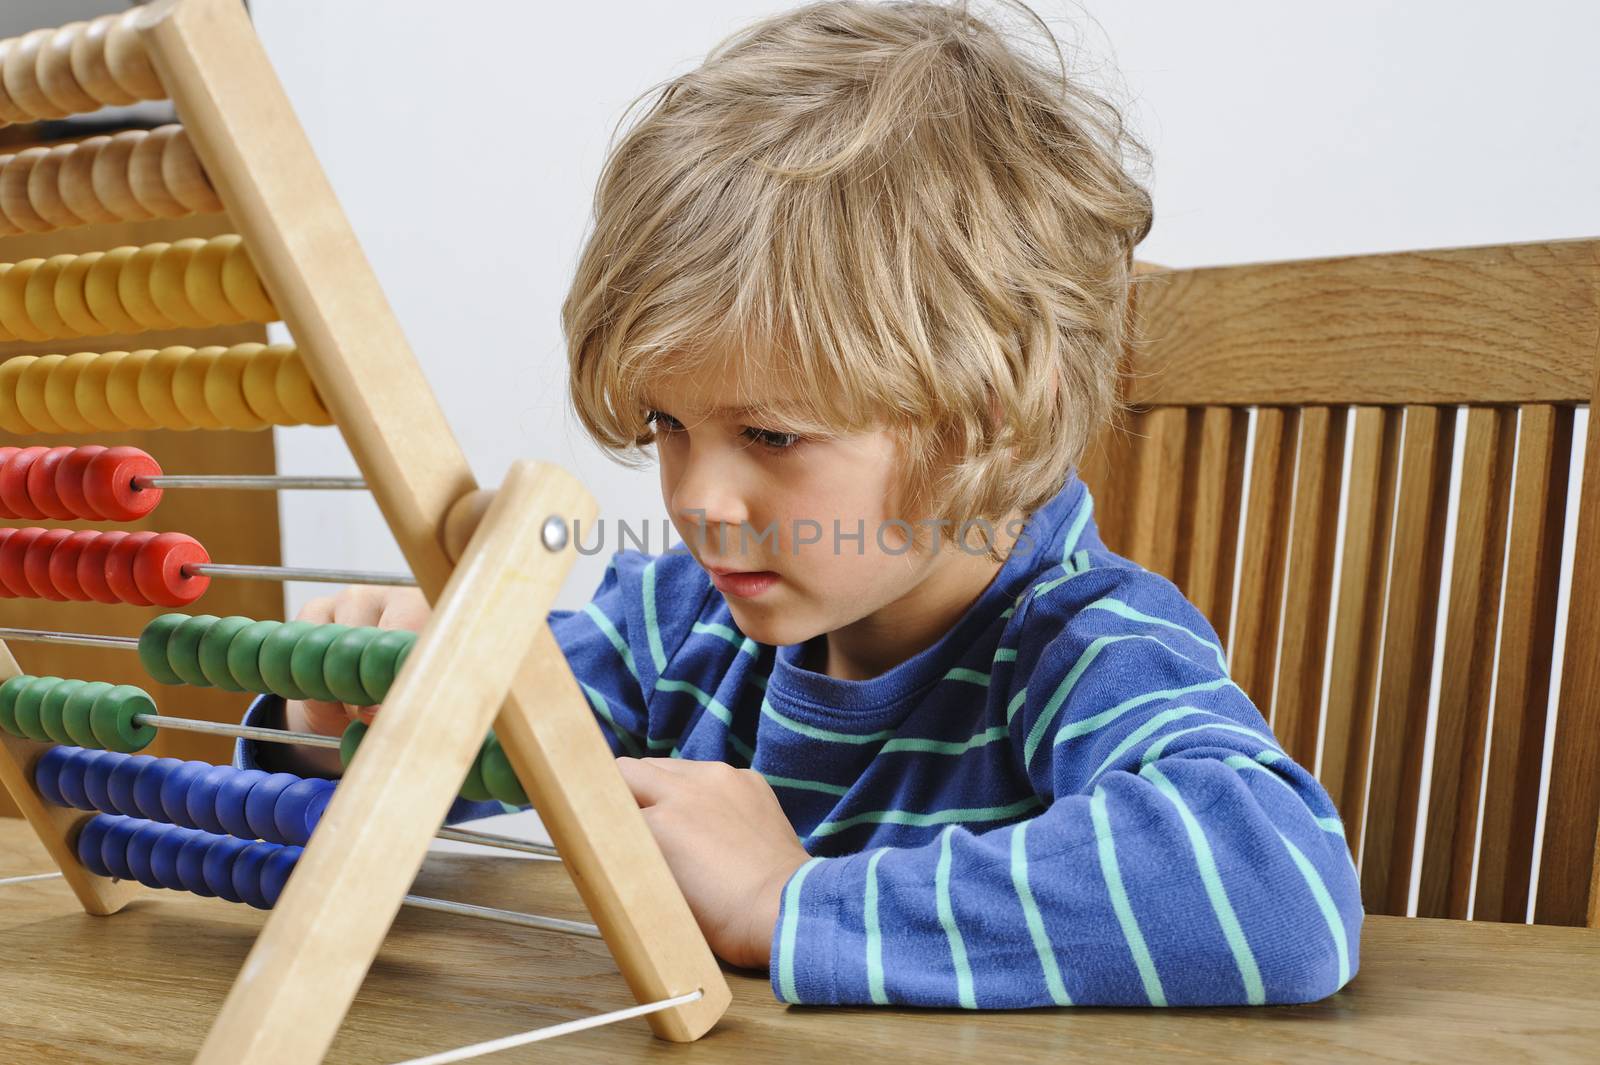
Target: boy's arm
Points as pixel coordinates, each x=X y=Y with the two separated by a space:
x=1178 y=858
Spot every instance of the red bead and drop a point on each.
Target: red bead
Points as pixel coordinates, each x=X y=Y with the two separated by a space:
x=13 y=553
x=119 y=568
x=36 y=564
x=5 y=534
x=108 y=484
x=64 y=564
x=158 y=569
x=93 y=565
x=42 y=484
x=14 y=484
x=69 y=481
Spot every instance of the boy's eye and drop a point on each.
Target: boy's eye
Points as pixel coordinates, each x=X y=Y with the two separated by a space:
x=772 y=440
x=662 y=419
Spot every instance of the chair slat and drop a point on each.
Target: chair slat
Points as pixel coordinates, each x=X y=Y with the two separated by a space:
x=1522 y=689
x=1107 y=466
x=1253 y=654
x=1460 y=733
x=1569 y=862
x=1363 y=590
x=1406 y=672
x=1297 y=708
x=1212 y=500
x=1154 y=516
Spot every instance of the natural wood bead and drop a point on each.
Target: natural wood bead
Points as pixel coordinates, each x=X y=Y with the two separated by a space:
x=60 y=392
x=185 y=178
x=127 y=60
x=30 y=393
x=167 y=283
x=133 y=288
x=76 y=182
x=155 y=387
x=14 y=200
x=8 y=228
x=260 y=383
x=44 y=188
x=13 y=300
x=71 y=298
x=224 y=389
x=296 y=392
x=110 y=177
x=54 y=70
x=100 y=291
x=189 y=388
x=89 y=391
x=88 y=52
x=122 y=390
x=21 y=78
x=202 y=284
x=145 y=178
x=243 y=286
x=11 y=419
x=9 y=111
x=39 y=297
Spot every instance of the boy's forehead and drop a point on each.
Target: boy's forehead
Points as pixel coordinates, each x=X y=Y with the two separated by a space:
x=712 y=392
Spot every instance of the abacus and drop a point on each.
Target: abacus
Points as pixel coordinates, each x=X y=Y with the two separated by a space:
x=333 y=863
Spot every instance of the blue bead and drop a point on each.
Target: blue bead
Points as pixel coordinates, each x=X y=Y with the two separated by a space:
x=120 y=787
x=147 y=787
x=221 y=853
x=247 y=873
x=97 y=767
x=231 y=799
x=175 y=792
x=88 y=846
x=69 y=782
x=47 y=774
x=114 y=848
x=262 y=801
x=202 y=799
x=191 y=862
x=275 y=873
x=299 y=808
x=164 y=857
x=145 y=836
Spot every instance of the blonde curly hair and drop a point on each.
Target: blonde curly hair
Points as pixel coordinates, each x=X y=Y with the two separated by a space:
x=899 y=218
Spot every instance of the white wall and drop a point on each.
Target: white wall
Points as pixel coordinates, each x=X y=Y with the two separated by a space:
x=464 y=139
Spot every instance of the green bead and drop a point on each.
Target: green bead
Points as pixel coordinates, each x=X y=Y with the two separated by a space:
x=277 y=652
x=305 y=663
x=341 y=666
x=244 y=655
x=183 y=650
x=28 y=700
x=77 y=718
x=473 y=789
x=213 y=651
x=380 y=662
x=51 y=707
x=350 y=741
x=153 y=643
x=498 y=775
x=112 y=716
x=8 y=702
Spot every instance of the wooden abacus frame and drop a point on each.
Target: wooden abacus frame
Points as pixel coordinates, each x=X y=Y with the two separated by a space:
x=479 y=654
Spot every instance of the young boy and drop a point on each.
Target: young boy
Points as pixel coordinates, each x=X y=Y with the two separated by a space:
x=906 y=730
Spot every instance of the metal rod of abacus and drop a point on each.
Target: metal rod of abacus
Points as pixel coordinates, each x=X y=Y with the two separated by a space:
x=508 y=843
x=254 y=482
x=298 y=573
x=243 y=732
x=76 y=639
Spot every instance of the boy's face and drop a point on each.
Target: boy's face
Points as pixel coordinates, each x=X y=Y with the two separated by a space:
x=745 y=495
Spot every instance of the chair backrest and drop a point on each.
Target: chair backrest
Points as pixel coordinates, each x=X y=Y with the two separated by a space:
x=1288 y=462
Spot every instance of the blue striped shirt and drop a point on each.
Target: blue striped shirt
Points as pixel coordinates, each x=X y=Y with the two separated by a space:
x=1064 y=800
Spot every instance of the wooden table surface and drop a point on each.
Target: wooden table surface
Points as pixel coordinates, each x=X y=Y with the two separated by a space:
x=142 y=986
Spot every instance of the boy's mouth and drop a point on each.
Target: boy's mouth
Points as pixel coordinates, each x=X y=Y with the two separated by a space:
x=743 y=583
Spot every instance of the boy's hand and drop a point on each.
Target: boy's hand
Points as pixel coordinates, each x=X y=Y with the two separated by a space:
x=728 y=844
x=381 y=607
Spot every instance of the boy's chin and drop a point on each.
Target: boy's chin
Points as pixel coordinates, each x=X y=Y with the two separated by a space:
x=765 y=628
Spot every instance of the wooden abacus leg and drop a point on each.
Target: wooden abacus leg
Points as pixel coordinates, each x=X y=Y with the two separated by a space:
x=57 y=827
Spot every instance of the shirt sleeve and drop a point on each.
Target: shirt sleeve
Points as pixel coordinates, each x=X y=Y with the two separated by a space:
x=596 y=648
x=1178 y=857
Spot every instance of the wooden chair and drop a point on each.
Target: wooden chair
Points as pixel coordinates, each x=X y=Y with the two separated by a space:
x=1270 y=401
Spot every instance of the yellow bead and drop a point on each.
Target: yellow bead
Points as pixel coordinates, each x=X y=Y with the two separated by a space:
x=155 y=388
x=60 y=392
x=133 y=288
x=189 y=388
x=224 y=388
x=242 y=285
x=13 y=303
x=71 y=299
x=100 y=291
x=122 y=390
x=298 y=395
x=11 y=419
x=39 y=297
x=30 y=394
x=167 y=283
x=261 y=383
x=91 y=389
x=202 y=282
